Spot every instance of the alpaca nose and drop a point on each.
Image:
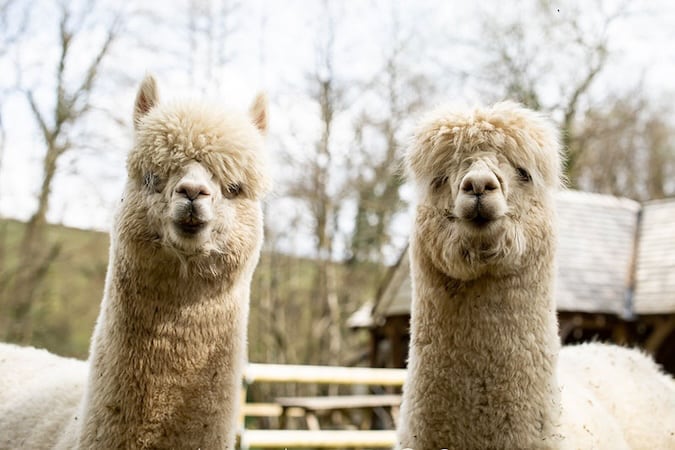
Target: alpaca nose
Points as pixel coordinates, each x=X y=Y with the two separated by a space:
x=479 y=182
x=192 y=190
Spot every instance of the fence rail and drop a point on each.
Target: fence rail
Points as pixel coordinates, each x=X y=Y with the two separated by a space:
x=317 y=439
x=281 y=373
x=287 y=373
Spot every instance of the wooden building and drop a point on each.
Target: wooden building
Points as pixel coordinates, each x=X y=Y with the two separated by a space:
x=616 y=280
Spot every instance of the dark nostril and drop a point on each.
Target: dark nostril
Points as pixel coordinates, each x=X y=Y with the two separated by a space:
x=478 y=184
x=491 y=185
x=192 y=190
x=467 y=185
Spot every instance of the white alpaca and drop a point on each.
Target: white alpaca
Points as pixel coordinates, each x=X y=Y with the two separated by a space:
x=630 y=386
x=483 y=370
x=167 y=353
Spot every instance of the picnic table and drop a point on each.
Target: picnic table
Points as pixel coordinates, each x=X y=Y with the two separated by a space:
x=313 y=407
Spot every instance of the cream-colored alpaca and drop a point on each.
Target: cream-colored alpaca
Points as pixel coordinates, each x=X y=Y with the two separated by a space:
x=167 y=353
x=483 y=367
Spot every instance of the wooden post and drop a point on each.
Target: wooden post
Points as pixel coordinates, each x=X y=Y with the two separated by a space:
x=241 y=422
x=662 y=328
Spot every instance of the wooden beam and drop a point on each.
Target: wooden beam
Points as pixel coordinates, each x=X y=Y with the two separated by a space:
x=287 y=373
x=261 y=410
x=332 y=402
x=317 y=439
x=662 y=328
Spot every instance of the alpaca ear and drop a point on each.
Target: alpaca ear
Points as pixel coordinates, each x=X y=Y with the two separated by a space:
x=146 y=99
x=258 y=112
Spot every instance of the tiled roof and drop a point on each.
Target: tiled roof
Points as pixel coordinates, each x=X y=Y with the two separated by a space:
x=397 y=293
x=596 y=253
x=655 y=275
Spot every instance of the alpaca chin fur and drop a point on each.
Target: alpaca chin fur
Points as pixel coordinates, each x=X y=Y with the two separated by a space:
x=485 y=368
x=168 y=349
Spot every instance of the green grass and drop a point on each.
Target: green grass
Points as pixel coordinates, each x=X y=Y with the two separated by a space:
x=67 y=302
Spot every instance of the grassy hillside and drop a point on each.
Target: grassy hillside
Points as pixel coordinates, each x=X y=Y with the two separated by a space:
x=67 y=301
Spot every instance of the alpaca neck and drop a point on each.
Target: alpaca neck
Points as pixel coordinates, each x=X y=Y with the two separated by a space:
x=482 y=360
x=166 y=359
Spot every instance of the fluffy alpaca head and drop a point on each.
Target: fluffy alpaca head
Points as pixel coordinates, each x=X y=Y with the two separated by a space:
x=196 y=175
x=485 y=179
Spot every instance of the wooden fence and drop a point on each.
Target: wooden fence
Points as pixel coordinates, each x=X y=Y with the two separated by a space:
x=277 y=373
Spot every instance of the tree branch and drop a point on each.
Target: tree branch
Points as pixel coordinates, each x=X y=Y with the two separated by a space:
x=87 y=84
x=44 y=128
x=62 y=110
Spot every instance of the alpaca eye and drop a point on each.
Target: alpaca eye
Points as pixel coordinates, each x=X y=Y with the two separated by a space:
x=439 y=182
x=153 y=182
x=233 y=190
x=523 y=175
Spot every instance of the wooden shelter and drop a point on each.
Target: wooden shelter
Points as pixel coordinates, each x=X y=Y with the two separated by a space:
x=616 y=280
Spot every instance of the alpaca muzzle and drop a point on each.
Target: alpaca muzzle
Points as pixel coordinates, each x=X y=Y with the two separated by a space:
x=192 y=201
x=480 y=209
x=480 y=198
x=188 y=218
x=191 y=226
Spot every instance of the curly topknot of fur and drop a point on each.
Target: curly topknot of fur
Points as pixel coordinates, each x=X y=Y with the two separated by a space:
x=229 y=144
x=446 y=136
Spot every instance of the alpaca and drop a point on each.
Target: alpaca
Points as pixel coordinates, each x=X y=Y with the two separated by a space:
x=630 y=386
x=168 y=349
x=483 y=368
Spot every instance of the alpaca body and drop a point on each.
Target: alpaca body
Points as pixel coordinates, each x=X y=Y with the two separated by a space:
x=485 y=368
x=629 y=386
x=585 y=423
x=154 y=382
x=39 y=395
x=162 y=374
x=487 y=400
x=167 y=354
x=488 y=391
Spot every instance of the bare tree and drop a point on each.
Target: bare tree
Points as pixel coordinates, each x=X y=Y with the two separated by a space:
x=321 y=191
x=400 y=91
x=659 y=135
x=324 y=205
x=348 y=180
x=209 y=29
x=70 y=105
x=615 y=143
x=549 y=59
x=629 y=148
